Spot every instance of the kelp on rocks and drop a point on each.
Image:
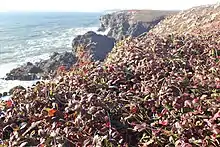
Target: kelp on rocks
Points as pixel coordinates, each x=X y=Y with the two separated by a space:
x=150 y=91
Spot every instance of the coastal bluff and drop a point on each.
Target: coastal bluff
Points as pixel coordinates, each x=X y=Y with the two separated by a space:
x=154 y=90
x=120 y=24
x=132 y=23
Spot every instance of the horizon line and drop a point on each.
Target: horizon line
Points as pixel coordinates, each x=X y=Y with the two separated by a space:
x=60 y=11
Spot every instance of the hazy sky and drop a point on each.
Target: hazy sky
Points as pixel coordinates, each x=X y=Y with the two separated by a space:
x=97 y=5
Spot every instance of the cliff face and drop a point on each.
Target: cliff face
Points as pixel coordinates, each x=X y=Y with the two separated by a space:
x=131 y=23
x=119 y=25
x=98 y=45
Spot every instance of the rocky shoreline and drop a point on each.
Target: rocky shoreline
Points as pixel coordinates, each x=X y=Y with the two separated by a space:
x=159 y=90
x=120 y=24
x=44 y=69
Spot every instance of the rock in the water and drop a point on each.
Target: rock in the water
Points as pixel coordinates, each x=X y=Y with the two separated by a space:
x=31 y=71
x=99 y=45
x=11 y=91
x=66 y=59
x=26 y=72
x=131 y=23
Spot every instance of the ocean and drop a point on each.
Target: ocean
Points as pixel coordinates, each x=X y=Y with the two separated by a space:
x=30 y=37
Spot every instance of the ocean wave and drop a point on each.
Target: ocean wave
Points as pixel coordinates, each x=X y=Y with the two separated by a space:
x=5 y=86
x=105 y=32
x=5 y=68
x=58 y=40
x=34 y=49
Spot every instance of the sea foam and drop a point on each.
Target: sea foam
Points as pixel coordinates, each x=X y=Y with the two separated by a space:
x=37 y=49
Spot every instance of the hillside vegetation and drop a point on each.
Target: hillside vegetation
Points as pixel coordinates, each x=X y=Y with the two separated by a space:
x=197 y=20
x=159 y=89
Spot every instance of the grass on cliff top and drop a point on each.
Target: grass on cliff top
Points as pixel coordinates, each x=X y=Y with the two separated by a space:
x=150 y=15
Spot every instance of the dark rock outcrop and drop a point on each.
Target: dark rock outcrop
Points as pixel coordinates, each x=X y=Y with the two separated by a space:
x=66 y=59
x=131 y=23
x=28 y=71
x=42 y=69
x=20 y=88
x=98 y=45
x=119 y=25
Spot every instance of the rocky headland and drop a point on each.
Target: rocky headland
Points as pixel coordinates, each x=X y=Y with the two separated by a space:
x=120 y=24
x=132 y=23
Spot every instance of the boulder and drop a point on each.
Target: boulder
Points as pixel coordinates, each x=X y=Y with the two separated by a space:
x=42 y=69
x=66 y=59
x=98 y=45
x=26 y=72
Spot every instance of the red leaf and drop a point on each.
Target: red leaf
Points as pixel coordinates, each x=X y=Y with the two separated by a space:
x=140 y=127
x=62 y=68
x=196 y=100
x=187 y=103
x=133 y=124
x=199 y=108
x=217 y=86
x=217 y=82
x=52 y=112
x=65 y=115
x=133 y=109
x=107 y=124
x=185 y=94
x=164 y=122
x=9 y=103
x=164 y=111
x=160 y=115
x=41 y=145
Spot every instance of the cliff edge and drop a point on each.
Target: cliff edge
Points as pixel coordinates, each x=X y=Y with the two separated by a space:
x=131 y=22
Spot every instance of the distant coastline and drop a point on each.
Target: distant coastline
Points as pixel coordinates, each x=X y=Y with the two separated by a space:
x=48 y=35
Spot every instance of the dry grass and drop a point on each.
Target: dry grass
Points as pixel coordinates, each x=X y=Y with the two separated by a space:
x=151 y=15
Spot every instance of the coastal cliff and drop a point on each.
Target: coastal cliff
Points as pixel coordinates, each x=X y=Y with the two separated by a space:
x=153 y=90
x=131 y=22
x=119 y=25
